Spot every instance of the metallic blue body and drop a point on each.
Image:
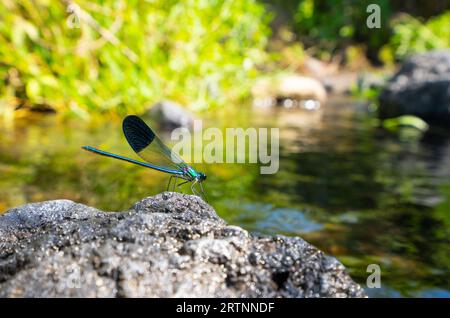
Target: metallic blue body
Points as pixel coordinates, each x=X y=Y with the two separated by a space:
x=147 y=165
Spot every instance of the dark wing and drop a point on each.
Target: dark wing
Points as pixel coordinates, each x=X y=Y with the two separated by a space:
x=148 y=146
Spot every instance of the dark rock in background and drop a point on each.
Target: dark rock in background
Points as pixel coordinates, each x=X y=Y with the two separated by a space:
x=169 y=245
x=171 y=115
x=421 y=87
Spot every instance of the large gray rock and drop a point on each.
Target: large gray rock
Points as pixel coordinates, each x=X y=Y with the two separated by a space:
x=421 y=87
x=169 y=245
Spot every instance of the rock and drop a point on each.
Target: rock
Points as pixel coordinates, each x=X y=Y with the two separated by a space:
x=169 y=245
x=301 y=88
x=292 y=88
x=344 y=82
x=340 y=83
x=319 y=69
x=421 y=88
x=171 y=114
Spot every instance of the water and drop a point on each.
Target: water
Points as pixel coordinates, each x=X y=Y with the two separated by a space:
x=364 y=195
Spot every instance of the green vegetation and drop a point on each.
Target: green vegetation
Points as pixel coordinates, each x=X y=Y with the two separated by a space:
x=332 y=25
x=121 y=56
x=115 y=57
x=328 y=28
x=405 y=121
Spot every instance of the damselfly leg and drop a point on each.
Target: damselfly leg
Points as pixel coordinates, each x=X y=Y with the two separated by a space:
x=193 y=188
x=180 y=184
x=168 y=184
x=174 y=183
x=203 y=192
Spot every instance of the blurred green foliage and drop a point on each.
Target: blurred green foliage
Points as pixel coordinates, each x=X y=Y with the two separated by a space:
x=331 y=25
x=405 y=121
x=122 y=56
x=410 y=35
x=117 y=56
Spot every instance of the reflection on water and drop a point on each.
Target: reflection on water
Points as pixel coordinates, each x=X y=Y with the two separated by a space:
x=354 y=191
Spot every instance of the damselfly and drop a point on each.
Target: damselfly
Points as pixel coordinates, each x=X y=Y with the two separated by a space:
x=156 y=154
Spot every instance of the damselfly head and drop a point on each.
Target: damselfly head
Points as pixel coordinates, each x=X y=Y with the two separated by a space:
x=201 y=176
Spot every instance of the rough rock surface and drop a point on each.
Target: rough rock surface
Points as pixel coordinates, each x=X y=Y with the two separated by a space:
x=421 y=87
x=169 y=245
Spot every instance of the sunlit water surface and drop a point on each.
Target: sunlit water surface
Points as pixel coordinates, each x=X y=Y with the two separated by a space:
x=364 y=195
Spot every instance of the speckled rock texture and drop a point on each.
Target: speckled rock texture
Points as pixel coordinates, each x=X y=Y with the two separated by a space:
x=421 y=87
x=169 y=245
